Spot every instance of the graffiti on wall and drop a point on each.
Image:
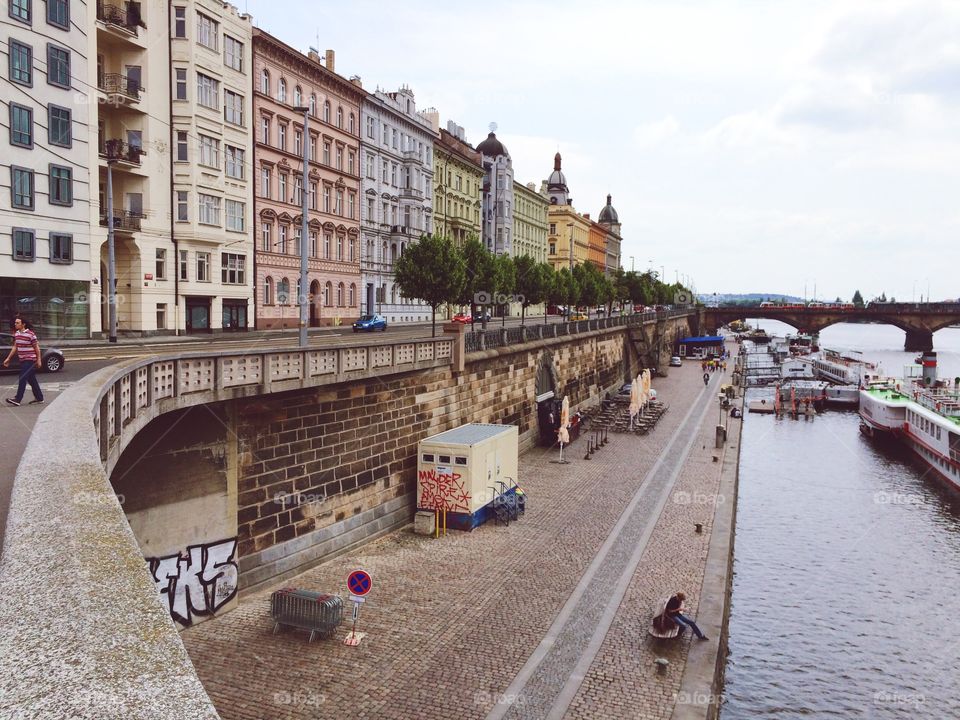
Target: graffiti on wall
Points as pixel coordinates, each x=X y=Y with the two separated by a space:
x=442 y=491
x=198 y=582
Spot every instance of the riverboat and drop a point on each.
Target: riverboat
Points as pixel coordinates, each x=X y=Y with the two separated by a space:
x=843 y=369
x=919 y=411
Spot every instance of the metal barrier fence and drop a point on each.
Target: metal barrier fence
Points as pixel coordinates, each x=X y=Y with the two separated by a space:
x=494 y=336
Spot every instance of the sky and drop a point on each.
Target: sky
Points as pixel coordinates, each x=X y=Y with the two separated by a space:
x=753 y=146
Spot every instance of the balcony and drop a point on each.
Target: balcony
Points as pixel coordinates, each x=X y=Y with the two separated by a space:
x=124 y=154
x=412 y=155
x=119 y=89
x=411 y=192
x=122 y=19
x=124 y=221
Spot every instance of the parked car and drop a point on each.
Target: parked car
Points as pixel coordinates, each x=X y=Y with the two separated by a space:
x=485 y=316
x=462 y=318
x=676 y=362
x=576 y=315
x=370 y=323
x=51 y=359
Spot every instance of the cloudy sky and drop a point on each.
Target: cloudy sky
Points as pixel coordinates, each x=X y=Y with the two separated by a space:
x=753 y=146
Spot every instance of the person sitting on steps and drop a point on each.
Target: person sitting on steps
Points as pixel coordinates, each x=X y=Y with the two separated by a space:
x=675 y=612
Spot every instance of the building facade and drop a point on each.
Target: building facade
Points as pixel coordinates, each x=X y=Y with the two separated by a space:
x=597 y=244
x=45 y=243
x=212 y=161
x=285 y=79
x=457 y=184
x=611 y=221
x=568 y=232
x=497 y=194
x=529 y=231
x=397 y=206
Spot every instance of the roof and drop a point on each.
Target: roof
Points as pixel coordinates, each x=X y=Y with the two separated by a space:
x=712 y=339
x=469 y=434
x=608 y=214
x=492 y=147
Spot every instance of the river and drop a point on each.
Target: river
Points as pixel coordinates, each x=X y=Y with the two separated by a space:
x=846 y=590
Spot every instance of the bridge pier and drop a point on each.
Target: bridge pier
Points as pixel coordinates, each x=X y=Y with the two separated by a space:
x=918 y=341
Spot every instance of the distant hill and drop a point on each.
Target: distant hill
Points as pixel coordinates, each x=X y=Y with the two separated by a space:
x=745 y=298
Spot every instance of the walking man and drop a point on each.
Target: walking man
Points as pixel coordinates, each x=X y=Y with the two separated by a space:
x=674 y=611
x=27 y=349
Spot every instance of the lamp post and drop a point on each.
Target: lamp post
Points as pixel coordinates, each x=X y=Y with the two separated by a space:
x=631 y=263
x=305 y=225
x=111 y=257
x=570 y=225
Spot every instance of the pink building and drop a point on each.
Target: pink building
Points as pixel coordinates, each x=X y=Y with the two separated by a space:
x=283 y=79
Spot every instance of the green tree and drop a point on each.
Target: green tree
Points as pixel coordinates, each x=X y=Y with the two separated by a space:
x=506 y=279
x=548 y=278
x=431 y=270
x=530 y=283
x=621 y=288
x=475 y=260
x=565 y=290
x=857 y=299
x=588 y=278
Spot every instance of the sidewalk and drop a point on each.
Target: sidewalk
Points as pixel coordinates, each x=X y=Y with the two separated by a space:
x=505 y=621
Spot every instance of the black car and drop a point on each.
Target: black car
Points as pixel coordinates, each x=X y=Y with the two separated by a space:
x=51 y=359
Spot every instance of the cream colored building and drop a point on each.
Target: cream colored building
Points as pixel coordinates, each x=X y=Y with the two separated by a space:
x=529 y=231
x=212 y=160
x=165 y=128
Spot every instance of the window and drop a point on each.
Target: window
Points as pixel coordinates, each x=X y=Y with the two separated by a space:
x=297 y=97
x=265 y=182
x=553 y=228
x=182 y=211
x=58 y=126
x=208 y=91
x=314 y=245
x=350 y=161
x=23 y=244
x=371 y=169
x=428 y=458
x=268 y=291
x=235 y=161
x=61 y=248
x=326 y=153
x=209 y=151
x=282 y=136
x=58 y=13
x=326 y=246
x=161 y=265
x=20 y=10
x=313 y=148
x=353 y=295
x=283 y=291
x=386 y=170
x=265 y=130
x=161 y=316
x=352 y=124
x=21 y=187
x=313 y=105
x=207 y=31
x=339 y=208
x=179 y=22
x=235 y=216
x=265 y=232
x=326 y=111
x=371 y=210
x=181 y=92
x=340 y=295
x=353 y=253
x=182 y=265
x=265 y=82
x=313 y=196
x=232 y=268
x=182 y=144
x=233 y=107
x=282 y=91
x=282 y=188
x=351 y=205
x=298 y=142
x=298 y=191
x=371 y=127
x=21 y=126
x=233 y=53
x=58 y=66
x=339 y=250
x=203 y=267
x=327 y=292
x=339 y=158
x=209 y=209
x=326 y=199
x=339 y=117
x=21 y=63
x=282 y=241
x=61 y=185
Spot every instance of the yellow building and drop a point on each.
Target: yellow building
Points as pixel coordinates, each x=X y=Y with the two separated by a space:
x=457 y=183
x=529 y=222
x=564 y=224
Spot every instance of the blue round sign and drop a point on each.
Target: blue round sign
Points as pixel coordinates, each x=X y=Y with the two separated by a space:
x=359 y=582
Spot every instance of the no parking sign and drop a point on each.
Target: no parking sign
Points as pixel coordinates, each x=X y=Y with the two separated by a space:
x=359 y=583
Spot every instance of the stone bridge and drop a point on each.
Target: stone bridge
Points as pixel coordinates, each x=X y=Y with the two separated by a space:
x=154 y=492
x=918 y=320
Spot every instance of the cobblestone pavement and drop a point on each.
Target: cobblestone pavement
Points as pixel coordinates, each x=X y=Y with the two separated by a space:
x=452 y=621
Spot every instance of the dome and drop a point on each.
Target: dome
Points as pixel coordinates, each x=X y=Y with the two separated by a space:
x=557 y=180
x=491 y=147
x=608 y=214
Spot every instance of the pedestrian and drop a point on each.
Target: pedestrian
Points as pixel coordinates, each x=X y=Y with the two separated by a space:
x=706 y=378
x=674 y=611
x=27 y=349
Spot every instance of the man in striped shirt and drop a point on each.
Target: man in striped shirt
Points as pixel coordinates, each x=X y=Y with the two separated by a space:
x=27 y=349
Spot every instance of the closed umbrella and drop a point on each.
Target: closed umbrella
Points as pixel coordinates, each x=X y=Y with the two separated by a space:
x=562 y=433
x=635 y=393
x=645 y=390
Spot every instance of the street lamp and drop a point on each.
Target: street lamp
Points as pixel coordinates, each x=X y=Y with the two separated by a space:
x=305 y=225
x=111 y=256
x=631 y=263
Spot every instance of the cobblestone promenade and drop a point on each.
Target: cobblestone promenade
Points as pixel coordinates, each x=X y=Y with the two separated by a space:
x=544 y=618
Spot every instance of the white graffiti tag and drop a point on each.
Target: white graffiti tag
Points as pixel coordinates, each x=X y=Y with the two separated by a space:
x=200 y=582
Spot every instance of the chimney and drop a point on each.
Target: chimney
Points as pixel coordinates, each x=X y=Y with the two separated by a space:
x=587 y=215
x=314 y=55
x=355 y=79
x=329 y=62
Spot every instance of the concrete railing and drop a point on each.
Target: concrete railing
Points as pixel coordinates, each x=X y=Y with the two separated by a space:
x=84 y=632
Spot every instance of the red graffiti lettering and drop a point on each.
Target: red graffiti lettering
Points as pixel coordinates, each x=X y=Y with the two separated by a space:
x=443 y=491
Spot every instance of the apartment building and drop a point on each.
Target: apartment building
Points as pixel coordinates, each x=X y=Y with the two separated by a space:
x=611 y=221
x=212 y=141
x=529 y=232
x=45 y=243
x=397 y=146
x=497 y=212
x=457 y=184
x=284 y=80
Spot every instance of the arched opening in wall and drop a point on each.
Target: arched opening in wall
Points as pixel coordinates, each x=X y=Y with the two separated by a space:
x=314 y=303
x=548 y=404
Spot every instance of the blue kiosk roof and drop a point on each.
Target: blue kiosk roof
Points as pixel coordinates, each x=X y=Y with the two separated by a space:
x=706 y=339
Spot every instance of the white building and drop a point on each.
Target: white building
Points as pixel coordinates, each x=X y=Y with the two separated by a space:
x=45 y=266
x=497 y=214
x=397 y=187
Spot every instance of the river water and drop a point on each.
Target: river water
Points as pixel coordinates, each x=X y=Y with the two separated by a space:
x=846 y=590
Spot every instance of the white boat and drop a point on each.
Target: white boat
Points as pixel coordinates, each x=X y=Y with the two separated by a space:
x=919 y=411
x=838 y=368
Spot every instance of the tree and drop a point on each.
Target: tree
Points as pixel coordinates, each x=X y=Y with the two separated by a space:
x=588 y=279
x=565 y=290
x=530 y=283
x=506 y=280
x=431 y=270
x=475 y=261
x=857 y=299
x=549 y=279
